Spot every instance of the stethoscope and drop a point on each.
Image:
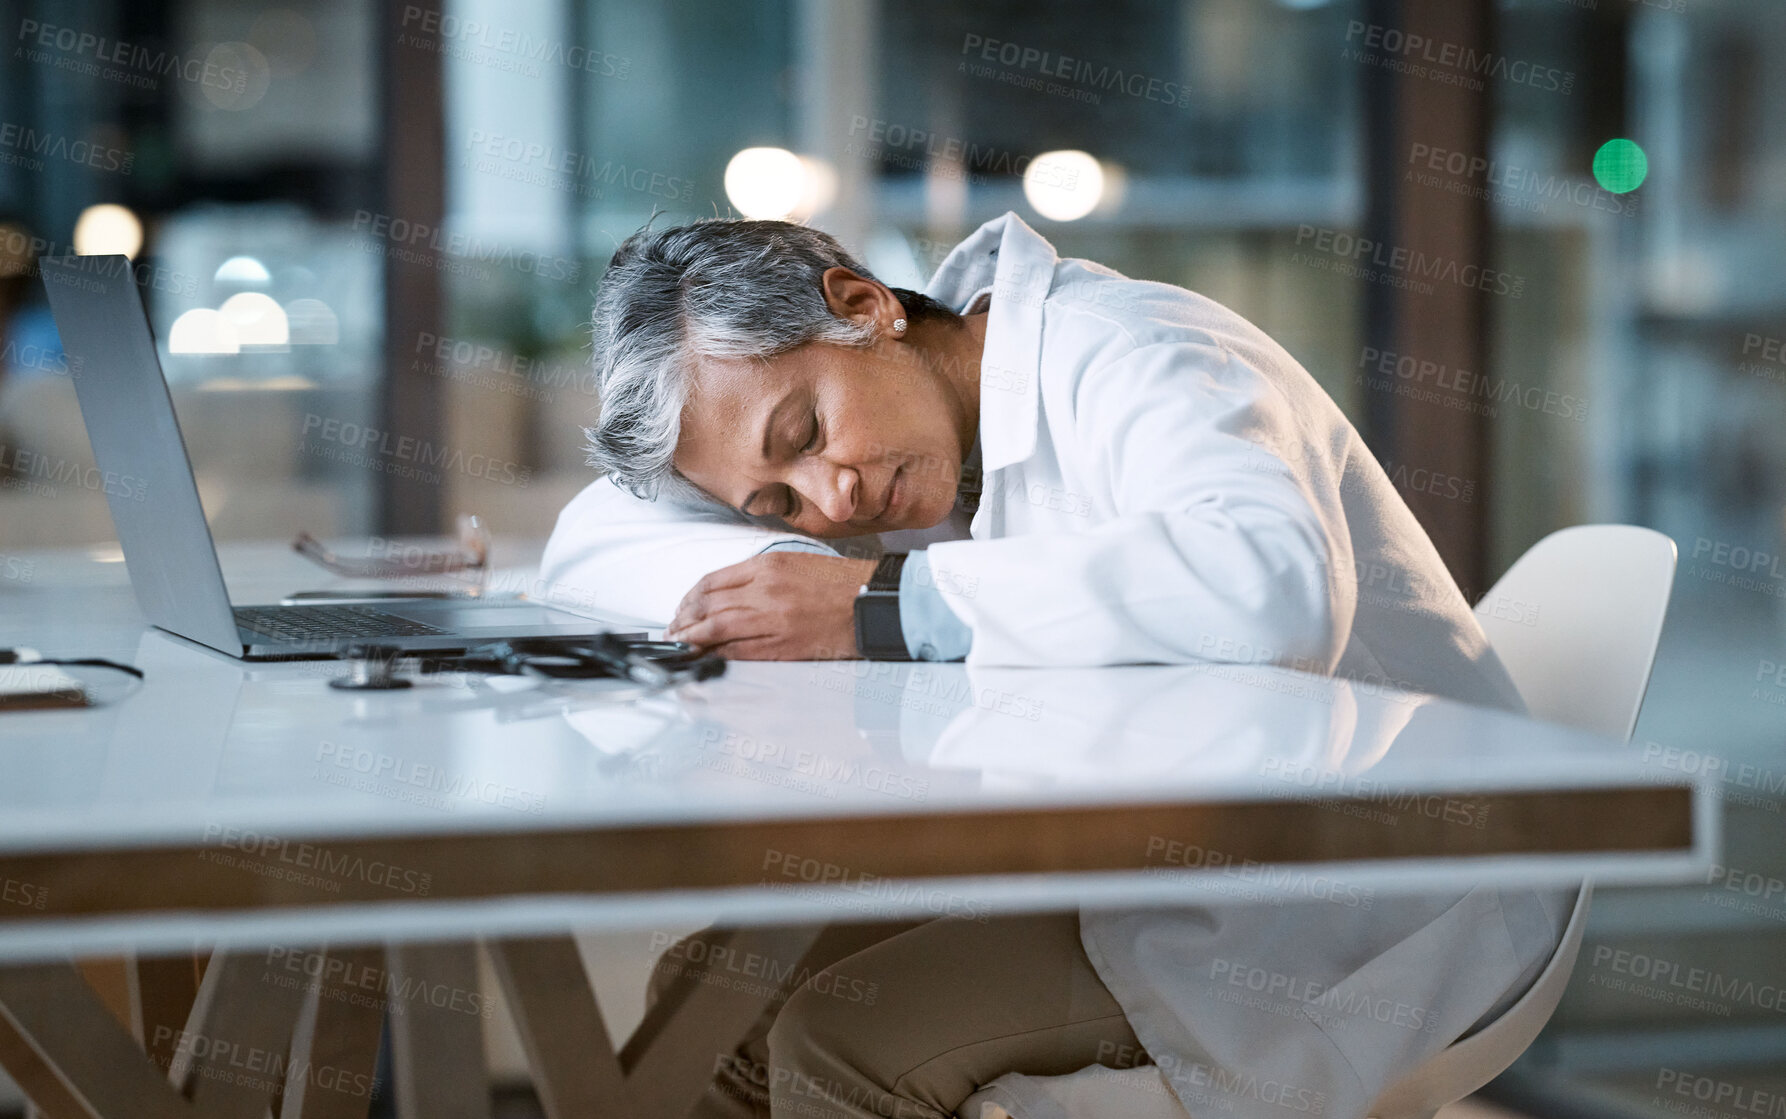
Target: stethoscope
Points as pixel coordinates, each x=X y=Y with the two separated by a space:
x=653 y=664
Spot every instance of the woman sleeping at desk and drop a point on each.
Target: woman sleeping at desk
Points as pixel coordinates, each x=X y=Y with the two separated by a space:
x=1056 y=466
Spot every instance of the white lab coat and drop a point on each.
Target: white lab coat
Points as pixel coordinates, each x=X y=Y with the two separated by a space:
x=1164 y=483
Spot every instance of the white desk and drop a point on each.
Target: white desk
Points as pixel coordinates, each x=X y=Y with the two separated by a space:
x=247 y=805
x=233 y=801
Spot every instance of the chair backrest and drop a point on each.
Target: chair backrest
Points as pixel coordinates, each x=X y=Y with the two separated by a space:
x=1576 y=622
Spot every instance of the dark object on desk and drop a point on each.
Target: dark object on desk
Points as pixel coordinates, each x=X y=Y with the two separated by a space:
x=472 y=554
x=30 y=682
x=38 y=687
x=374 y=670
x=654 y=664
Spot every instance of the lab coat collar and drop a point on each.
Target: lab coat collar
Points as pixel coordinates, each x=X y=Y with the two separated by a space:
x=1017 y=263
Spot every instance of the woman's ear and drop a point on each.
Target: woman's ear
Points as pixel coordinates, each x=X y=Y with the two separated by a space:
x=860 y=300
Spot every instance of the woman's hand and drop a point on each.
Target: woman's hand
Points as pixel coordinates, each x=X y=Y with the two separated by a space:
x=779 y=606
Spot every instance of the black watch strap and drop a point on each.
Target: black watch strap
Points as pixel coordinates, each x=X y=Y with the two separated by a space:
x=887 y=572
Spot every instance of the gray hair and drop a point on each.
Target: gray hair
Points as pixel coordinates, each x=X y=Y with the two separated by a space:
x=714 y=289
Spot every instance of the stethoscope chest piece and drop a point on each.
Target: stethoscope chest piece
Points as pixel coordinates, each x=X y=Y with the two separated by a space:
x=374 y=669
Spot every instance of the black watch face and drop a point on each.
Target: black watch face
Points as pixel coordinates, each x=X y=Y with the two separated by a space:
x=878 y=633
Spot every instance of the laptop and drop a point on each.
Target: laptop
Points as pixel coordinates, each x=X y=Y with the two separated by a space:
x=161 y=526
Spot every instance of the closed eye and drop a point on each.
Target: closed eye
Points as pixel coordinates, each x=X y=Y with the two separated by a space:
x=812 y=440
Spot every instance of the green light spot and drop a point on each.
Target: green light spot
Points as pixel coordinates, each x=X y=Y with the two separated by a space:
x=1620 y=166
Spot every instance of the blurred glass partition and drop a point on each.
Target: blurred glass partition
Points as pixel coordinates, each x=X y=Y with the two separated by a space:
x=1219 y=131
x=1648 y=211
x=226 y=148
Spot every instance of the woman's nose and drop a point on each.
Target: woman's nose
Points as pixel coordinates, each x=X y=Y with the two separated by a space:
x=834 y=489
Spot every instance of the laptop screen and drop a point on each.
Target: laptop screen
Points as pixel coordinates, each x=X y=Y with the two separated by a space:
x=138 y=448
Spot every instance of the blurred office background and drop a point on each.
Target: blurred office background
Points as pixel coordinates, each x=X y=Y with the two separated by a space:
x=1535 y=248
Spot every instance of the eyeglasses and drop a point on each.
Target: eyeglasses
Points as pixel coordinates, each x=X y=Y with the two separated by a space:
x=394 y=560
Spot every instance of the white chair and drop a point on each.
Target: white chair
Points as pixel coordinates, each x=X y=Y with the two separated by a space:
x=1576 y=622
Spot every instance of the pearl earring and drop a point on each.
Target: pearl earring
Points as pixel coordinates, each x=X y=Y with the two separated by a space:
x=899 y=326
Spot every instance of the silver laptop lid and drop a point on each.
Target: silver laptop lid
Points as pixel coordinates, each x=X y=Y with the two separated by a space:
x=137 y=444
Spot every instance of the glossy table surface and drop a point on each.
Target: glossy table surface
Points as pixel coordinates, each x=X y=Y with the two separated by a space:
x=263 y=776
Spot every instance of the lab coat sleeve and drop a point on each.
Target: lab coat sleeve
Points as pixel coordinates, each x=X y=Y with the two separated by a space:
x=932 y=631
x=1214 y=550
x=615 y=554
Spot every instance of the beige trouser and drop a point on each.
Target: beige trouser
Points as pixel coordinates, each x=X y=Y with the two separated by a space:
x=905 y=1021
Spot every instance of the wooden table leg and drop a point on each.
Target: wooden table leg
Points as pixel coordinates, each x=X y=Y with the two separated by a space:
x=76 y=1059
x=575 y=1069
x=145 y=995
x=669 y=1058
x=238 y=1039
x=667 y=1064
x=166 y=989
x=114 y=981
x=437 y=1046
x=67 y=1027
x=45 y=1095
x=249 y=1039
x=334 y=1052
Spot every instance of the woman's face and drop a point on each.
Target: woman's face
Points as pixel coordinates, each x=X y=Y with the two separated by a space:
x=832 y=440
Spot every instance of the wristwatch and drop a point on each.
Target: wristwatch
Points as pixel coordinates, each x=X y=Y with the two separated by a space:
x=879 y=636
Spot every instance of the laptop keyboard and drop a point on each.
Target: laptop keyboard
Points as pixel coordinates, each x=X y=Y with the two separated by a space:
x=303 y=624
